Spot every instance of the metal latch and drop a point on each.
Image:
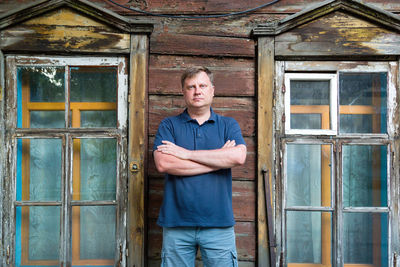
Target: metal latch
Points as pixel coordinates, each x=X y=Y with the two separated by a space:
x=133 y=167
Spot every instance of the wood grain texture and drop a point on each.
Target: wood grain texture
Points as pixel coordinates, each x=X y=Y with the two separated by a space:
x=337 y=34
x=136 y=148
x=265 y=134
x=226 y=6
x=64 y=30
x=197 y=45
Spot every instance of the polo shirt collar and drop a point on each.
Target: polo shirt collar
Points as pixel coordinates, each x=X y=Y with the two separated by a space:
x=186 y=117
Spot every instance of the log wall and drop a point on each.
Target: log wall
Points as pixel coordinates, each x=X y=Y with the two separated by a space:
x=225 y=46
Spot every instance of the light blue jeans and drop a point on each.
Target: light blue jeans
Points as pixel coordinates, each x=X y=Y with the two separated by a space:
x=217 y=247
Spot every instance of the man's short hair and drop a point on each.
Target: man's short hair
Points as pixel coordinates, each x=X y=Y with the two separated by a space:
x=193 y=71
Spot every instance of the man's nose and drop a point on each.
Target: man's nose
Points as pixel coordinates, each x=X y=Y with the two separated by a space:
x=197 y=90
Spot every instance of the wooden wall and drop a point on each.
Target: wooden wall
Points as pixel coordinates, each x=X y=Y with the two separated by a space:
x=224 y=45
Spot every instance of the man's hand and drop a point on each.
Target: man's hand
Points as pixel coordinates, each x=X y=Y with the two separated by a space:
x=171 y=149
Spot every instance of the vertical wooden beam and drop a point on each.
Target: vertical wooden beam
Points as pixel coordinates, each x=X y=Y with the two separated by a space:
x=137 y=147
x=265 y=134
x=2 y=151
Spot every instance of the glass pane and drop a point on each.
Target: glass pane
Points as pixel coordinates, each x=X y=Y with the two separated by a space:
x=37 y=236
x=308 y=175
x=309 y=92
x=39 y=169
x=309 y=104
x=47 y=119
x=309 y=237
x=305 y=121
x=94 y=231
x=101 y=118
x=365 y=239
x=94 y=84
x=38 y=84
x=43 y=84
x=356 y=123
x=95 y=169
x=364 y=176
x=363 y=102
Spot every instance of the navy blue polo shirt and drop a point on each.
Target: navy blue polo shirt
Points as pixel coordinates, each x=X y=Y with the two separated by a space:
x=203 y=200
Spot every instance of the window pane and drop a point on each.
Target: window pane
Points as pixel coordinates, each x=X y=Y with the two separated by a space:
x=308 y=175
x=365 y=238
x=38 y=84
x=37 y=236
x=103 y=118
x=356 y=123
x=363 y=102
x=39 y=169
x=305 y=121
x=43 y=84
x=309 y=104
x=308 y=237
x=309 y=92
x=94 y=84
x=94 y=234
x=95 y=169
x=47 y=119
x=364 y=176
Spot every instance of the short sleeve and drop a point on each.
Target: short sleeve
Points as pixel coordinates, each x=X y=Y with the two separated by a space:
x=164 y=132
x=234 y=132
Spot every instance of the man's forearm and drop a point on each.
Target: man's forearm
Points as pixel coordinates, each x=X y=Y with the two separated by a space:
x=220 y=158
x=173 y=165
x=230 y=155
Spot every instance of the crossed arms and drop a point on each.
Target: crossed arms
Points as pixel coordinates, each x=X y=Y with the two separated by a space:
x=172 y=159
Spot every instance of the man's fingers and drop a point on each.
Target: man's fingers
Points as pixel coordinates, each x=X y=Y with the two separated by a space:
x=229 y=143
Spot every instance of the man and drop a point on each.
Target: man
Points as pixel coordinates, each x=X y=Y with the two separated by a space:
x=197 y=150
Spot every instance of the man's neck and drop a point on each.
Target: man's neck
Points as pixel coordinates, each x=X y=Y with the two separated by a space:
x=200 y=115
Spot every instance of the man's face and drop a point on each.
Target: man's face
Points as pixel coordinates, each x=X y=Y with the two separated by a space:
x=198 y=91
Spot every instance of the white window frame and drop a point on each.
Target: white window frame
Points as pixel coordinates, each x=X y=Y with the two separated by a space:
x=333 y=102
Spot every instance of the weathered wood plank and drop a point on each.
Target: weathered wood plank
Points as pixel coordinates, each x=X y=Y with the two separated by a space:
x=137 y=148
x=237 y=27
x=64 y=30
x=232 y=77
x=226 y=6
x=243 y=199
x=242 y=109
x=183 y=44
x=3 y=150
x=226 y=82
x=337 y=34
x=245 y=240
x=265 y=134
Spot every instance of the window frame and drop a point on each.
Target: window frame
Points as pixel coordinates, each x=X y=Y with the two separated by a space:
x=287 y=135
x=333 y=96
x=67 y=134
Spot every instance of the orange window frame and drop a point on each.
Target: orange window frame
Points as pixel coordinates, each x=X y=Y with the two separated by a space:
x=76 y=108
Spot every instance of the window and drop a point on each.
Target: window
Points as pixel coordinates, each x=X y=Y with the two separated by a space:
x=337 y=199
x=69 y=180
